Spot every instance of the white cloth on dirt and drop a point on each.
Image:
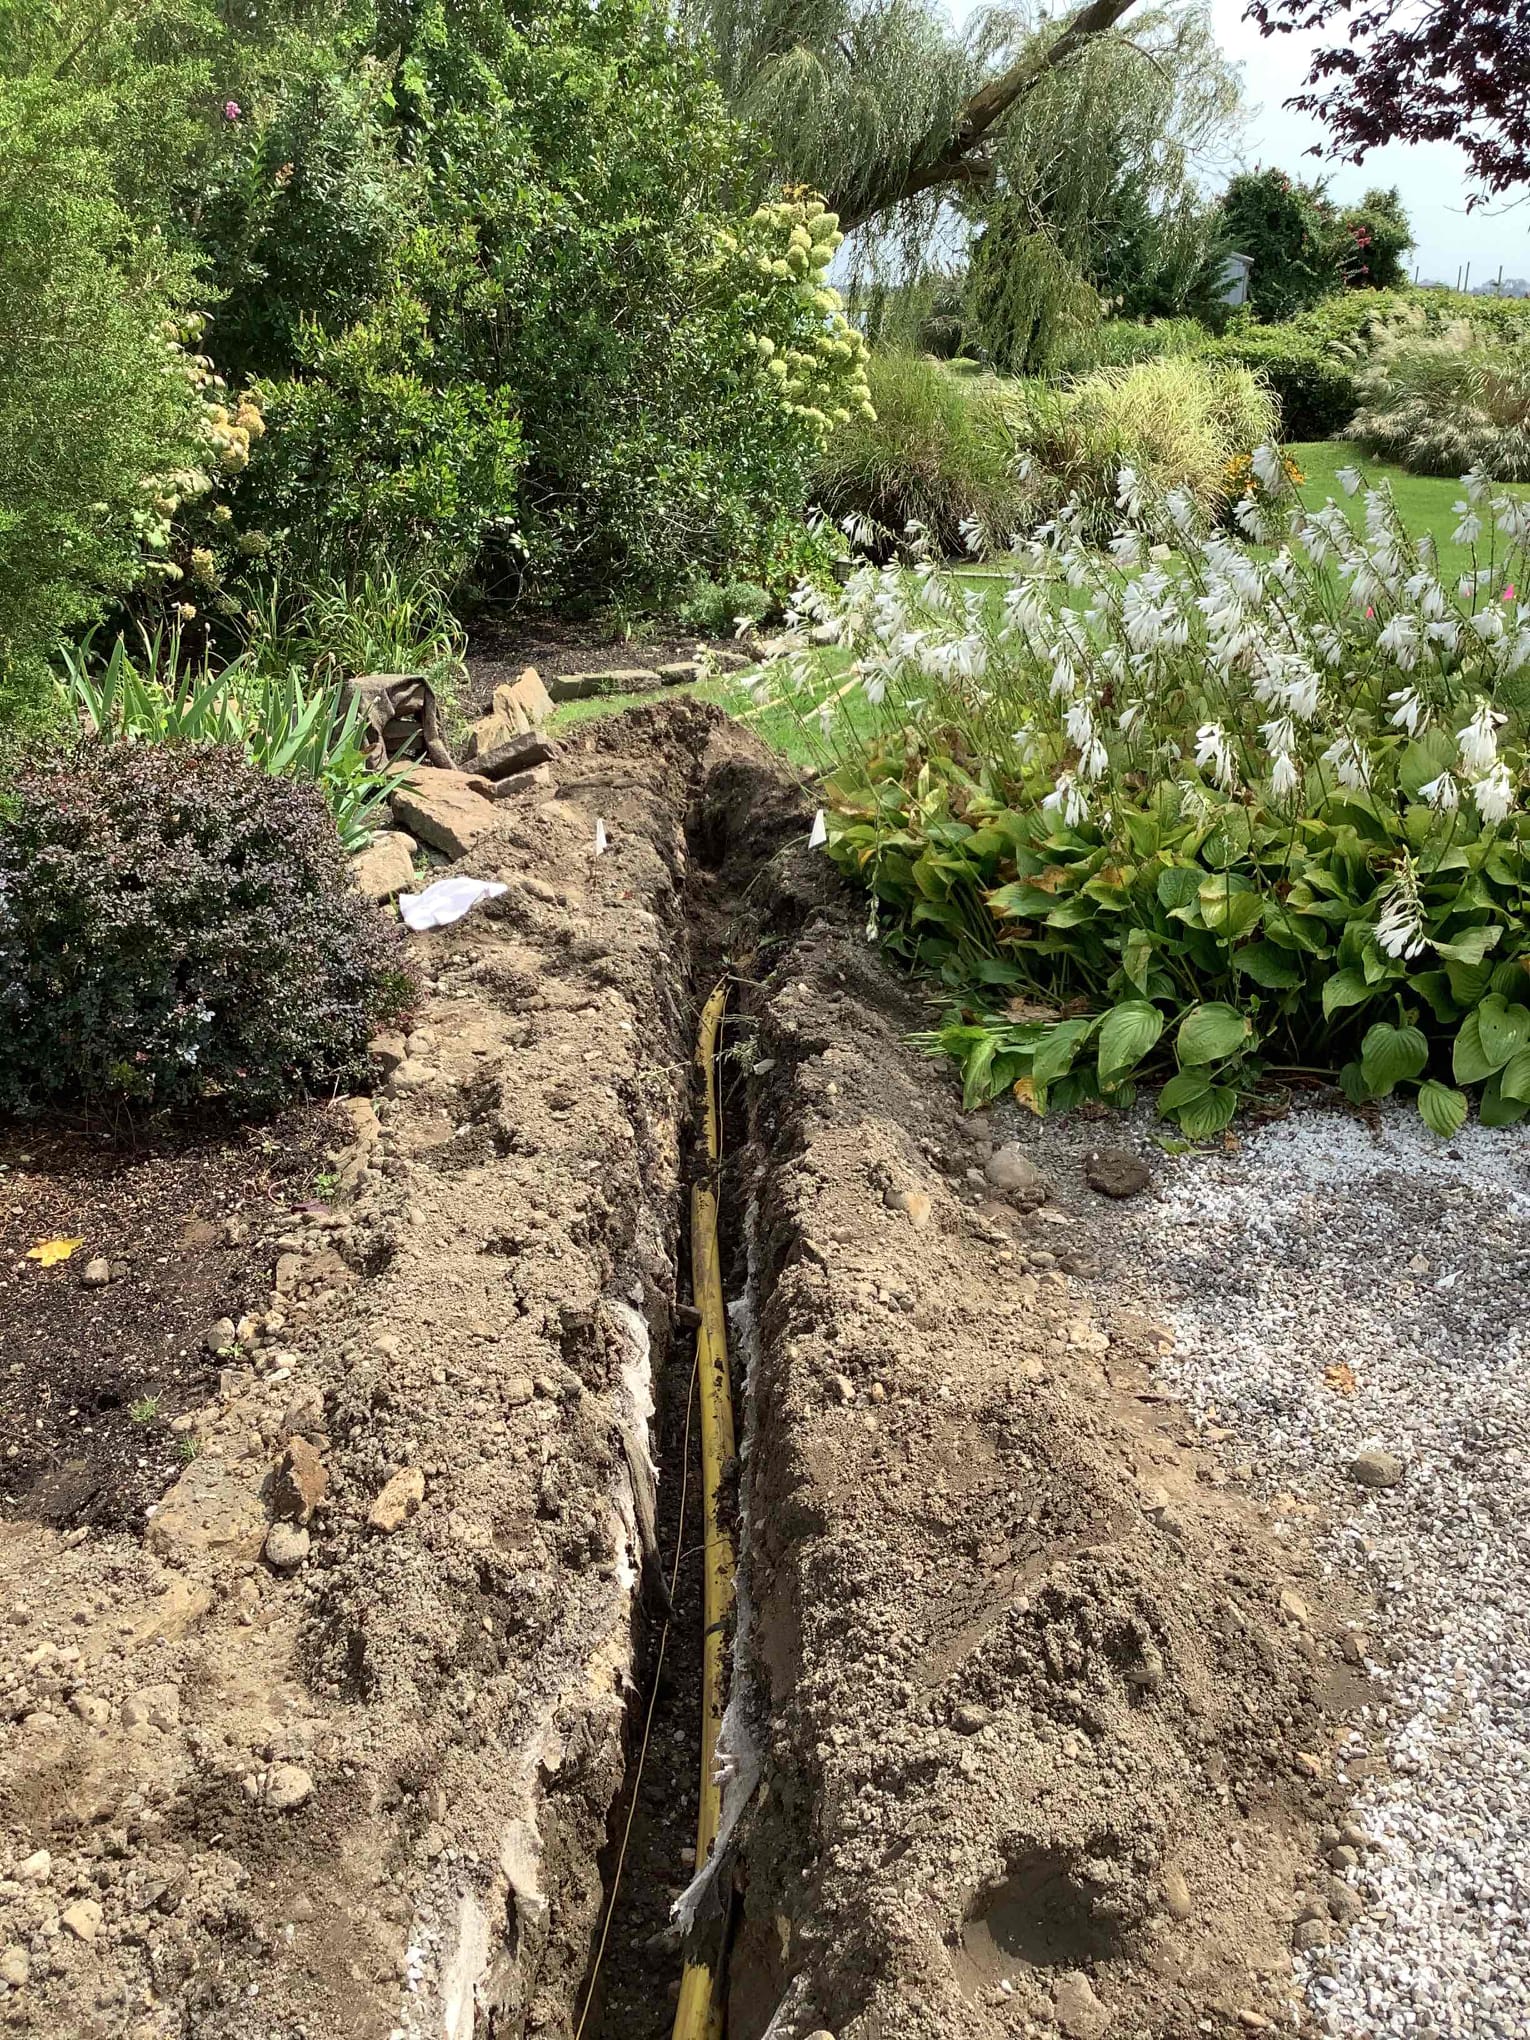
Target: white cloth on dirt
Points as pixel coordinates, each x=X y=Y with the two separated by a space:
x=445 y=901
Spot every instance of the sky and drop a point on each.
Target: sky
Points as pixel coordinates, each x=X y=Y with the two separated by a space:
x=1431 y=176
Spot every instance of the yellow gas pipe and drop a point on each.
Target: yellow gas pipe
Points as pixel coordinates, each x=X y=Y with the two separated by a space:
x=699 y=2014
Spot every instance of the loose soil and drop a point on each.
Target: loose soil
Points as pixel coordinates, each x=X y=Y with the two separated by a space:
x=558 y=645
x=1023 y=1737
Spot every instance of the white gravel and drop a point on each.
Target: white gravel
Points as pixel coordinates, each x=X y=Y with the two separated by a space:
x=1317 y=1242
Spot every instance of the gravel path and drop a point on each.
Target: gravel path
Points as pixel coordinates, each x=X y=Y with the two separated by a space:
x=1335 y=1291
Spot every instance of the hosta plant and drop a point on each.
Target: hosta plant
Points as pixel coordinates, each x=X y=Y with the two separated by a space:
x=1224 y=809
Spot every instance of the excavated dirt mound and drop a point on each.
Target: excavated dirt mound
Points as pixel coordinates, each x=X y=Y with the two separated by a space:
x=337 y=1744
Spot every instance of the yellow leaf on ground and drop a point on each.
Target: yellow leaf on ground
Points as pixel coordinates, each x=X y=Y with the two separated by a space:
x=1340 y=1377
x=51 y=1251
x=1025 y=1092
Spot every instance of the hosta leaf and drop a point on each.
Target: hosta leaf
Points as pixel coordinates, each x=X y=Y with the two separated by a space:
x=1127 y=1032
x=1202 y=1117
x=1498 y=1108
x=1502 y=1029
x=1471 y=946
x=1209 y=1033
x=1514 y=1078
x=1469 y=1060
x=1178 y=886
x=1230 y=905
x=1441 y=1109
x=1274 y=968
x=1389 y=1055
x=1182 y=1090
x=1344 y=988
x=977 y=1072
x=1054 y=1058
x=1352 y=1083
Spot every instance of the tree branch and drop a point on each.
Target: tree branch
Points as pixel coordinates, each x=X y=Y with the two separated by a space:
x=950 y=159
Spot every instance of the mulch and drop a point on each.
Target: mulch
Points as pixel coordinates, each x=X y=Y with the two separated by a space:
x=92 y=1379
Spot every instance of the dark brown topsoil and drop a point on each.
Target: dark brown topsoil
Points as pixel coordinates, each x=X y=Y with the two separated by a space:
x=91 y=1379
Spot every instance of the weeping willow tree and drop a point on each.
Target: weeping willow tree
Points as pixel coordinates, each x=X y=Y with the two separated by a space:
x=1038 y=138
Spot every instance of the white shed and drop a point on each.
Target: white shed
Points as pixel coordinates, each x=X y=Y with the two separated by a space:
x=1234 y=279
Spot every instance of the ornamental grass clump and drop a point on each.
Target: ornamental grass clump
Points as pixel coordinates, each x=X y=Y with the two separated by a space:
x=1223 y=807
x=178 y=928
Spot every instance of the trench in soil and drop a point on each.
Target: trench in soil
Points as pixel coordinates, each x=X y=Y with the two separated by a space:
x=631 y=1987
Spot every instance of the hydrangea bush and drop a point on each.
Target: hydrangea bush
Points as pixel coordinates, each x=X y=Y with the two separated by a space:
x=1232 y=807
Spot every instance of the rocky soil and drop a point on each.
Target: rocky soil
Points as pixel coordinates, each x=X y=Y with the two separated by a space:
x=1035 y=1717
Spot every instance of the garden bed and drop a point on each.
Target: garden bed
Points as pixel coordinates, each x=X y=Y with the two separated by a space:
x=1040 y=1702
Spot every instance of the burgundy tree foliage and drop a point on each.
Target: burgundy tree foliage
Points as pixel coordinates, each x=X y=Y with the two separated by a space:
x=1449 y=70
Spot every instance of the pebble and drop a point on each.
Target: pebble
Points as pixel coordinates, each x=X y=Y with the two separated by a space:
x=91 y=1709
x=1376 y=1469
x=220 y=1336
x=36 y=1869
x=913 y=1203
x=96 y=1273
x=15 y=1966
x=83 y=1919
x=1076 y=2008
x=398 y=1502
x=1176 y=1895
x=1116 y=1172
x=286 y=1787
x=1010 y=1168
x=155 y=1706
x=286 y=1546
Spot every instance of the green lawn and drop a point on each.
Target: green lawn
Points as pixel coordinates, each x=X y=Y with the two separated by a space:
x=1427 y=502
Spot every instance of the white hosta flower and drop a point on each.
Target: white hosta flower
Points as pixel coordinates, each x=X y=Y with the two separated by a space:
x=1285 y=776
x=1068 y=799
x=1093 y=760
x=1400 y=639
x=1400 y=924
x=1079 y=723
x=1269 y=468
x=1349 y=480
x=1126 y=549
x=1027 y=744
x=1329 y=644
x=1129 y=492
x=1494 y=794
x=1469 y=530
x=1249 y=515
x=1129 y=721
x=971 y=529
x=1279 y=735
x=1064 y=682
x=1214 y=753
x=1488 y=624
x=1442 y=794
x=1478 y=741
x=874 y=684
x=1348 y=763
x=1476 y=484
x=1408 y=710
x=1180 y=505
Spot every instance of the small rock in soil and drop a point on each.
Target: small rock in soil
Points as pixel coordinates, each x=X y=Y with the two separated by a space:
x=287 y=1786
x=1376 y=1469
x=1294 y=1608
x=96 y=1274
x=1117 y=1172
x=83 y=1919
x=913 y=1203
x=36 y=1869
x=286 y=1546
x=398 y=1501
x=219 y=1336
x=91 y=1709
x=158 y=1706
x=15 y=1966
x=1011 y=1169
x=1176 y=1895
x=301 y=1480
x=1076 y=2008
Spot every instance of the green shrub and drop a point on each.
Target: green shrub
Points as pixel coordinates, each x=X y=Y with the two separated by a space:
x=177 y=928
x=1122 y=343
x=1315 y=390
x=1250 y=807
x=1178 y=422
x=938 y=455
x=92 y=408
x=1441 y=403
x=715 y=607
x=280 y=723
